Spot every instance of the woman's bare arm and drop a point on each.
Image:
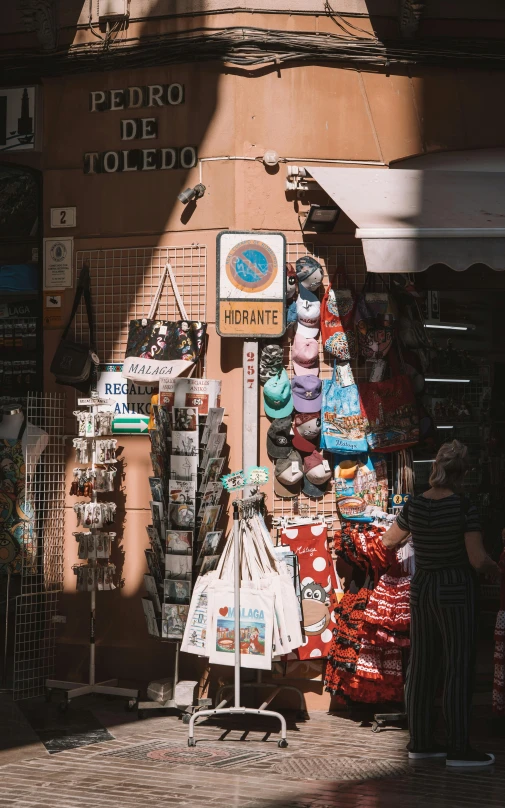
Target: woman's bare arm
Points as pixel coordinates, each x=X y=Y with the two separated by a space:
x=394 y=536
x=478 y=557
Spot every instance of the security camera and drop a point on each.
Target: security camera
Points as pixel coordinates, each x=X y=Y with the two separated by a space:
x=191 y=193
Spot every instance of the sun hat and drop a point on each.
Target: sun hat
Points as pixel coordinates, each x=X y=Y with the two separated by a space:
x=307 y=430
x=277 y=396
x=305 y=356
x=307 y=393
x=288 y=475
x=279 y=437
x=308 y=312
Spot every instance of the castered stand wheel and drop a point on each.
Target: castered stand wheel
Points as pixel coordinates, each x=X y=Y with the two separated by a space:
x=376 y=727
x=282 y=744
x=191 y=742
x=186 y=718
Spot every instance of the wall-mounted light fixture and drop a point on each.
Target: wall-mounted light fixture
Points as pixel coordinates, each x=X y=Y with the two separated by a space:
x=191 y=193
x=321 y=218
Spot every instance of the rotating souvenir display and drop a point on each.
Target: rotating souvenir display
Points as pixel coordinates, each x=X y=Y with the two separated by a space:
x=94 y=539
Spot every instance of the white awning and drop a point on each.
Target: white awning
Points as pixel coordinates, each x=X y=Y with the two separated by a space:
x=436 y=209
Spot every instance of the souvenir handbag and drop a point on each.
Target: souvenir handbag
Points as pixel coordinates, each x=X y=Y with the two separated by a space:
x=374 y=320
x=391 y=412
x=337 y=321
x=360 y=481
x=158 y=348
x=343 y=422
x=74 y=363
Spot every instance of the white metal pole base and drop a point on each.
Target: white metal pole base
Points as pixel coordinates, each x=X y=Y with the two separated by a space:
x=282 y=743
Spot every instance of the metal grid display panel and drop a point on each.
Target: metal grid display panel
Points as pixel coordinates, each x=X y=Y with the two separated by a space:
x=124 y=282
x=353 y=261
x=42 y=570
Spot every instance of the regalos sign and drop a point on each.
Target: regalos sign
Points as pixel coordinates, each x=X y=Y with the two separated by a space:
x=251 y=284
x=134 y=128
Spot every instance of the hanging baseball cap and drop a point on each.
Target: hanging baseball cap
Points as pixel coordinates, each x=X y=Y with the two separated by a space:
x=291 y=316
x=316 y=476
x=307 y=332
x=277 y=395
x=308 y=312
x=307 y=393
x=306 y=266
x=279 y=437
x=288 y=475
x=305 y=356
x=271 y=361
x=306 y=430
x=306 y=294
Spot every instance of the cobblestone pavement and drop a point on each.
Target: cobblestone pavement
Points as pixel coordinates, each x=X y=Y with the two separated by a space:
x=330 y=762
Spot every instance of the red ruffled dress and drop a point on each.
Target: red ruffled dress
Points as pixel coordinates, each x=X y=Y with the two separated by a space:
x=499 y=650
x=365 y=661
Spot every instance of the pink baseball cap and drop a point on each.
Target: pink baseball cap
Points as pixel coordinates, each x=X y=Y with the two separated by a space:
x=305 y=356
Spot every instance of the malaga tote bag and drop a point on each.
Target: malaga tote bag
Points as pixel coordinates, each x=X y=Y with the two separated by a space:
x=158 y=348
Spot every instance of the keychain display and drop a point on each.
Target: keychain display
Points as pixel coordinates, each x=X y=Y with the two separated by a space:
x=88 y=480
x=95 y=514
x=93 y=424
x=94 y=545
x=93 y=578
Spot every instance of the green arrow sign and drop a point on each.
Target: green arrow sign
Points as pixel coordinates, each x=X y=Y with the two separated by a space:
x=130 y=424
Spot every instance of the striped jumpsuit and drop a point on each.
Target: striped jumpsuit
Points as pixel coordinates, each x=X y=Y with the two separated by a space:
x=444 y=595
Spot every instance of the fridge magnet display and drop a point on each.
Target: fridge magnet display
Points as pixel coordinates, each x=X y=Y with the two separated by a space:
x=185 y=419
x=185 y=443
x=156 y=489
x=182 y=514
x=184 y=467
x=210 y=544
x=178 y=567
x=179 y=542
x=152 y=590
x=209 y=563
x=173 y=621
x=177 y=591
x=150 y=616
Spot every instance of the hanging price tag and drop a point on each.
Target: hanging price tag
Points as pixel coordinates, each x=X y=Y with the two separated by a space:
x=234 y=481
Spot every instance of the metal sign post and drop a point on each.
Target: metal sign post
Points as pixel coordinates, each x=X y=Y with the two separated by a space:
x=250 y=406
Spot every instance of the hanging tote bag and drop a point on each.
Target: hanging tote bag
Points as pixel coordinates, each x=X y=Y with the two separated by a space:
x=74 y=363
x=391 y=412
x=343 y=423
x=337 y=321
x=374 y=320
x=158 y=348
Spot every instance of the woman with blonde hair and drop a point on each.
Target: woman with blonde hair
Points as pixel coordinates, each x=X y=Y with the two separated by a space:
x=449 y=552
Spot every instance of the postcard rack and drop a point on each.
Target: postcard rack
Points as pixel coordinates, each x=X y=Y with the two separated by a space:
x=94 y=425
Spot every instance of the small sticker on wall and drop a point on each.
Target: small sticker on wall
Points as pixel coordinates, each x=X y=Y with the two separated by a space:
x=53 y=310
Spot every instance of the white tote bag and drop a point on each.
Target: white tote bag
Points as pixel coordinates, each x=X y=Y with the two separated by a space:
x=195 y=632
x=256 y=627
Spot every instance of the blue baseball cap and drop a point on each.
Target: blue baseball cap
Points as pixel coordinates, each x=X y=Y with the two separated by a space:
x=277 y=396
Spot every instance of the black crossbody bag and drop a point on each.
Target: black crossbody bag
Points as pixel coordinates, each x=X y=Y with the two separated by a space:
x=76 y=364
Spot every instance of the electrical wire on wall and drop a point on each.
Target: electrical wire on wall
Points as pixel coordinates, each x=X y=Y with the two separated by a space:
x=250 y=48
